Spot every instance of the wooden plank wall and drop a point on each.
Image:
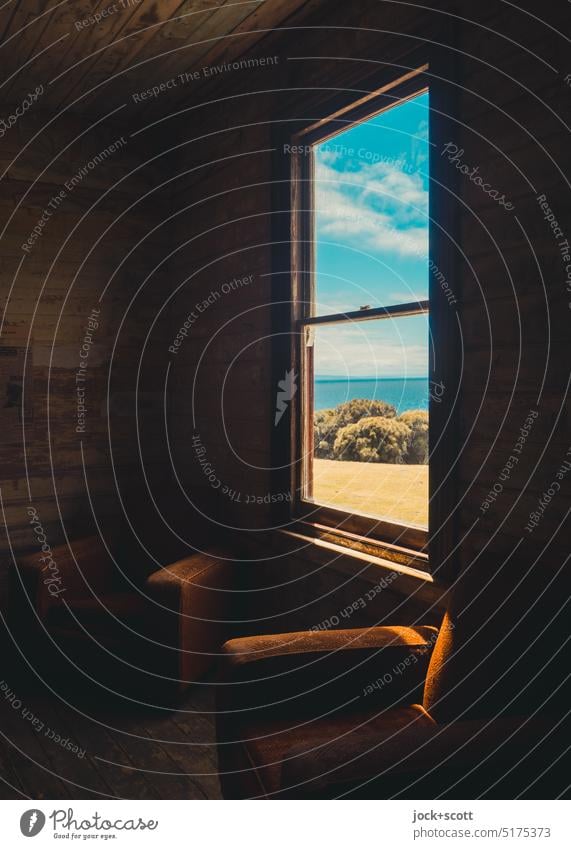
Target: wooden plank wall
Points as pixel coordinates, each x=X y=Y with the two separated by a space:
x=515 y=297
x=512 y=104
x=95 y=253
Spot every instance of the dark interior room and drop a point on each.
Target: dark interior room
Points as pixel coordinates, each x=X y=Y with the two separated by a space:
x=286 y=430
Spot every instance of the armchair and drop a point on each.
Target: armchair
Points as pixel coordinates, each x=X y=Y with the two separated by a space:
x=304 y=690
x=475 y=709
x=170 y=623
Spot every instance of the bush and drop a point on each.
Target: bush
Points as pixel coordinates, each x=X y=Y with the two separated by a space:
x=417 y=449
x=377 y=439
x=370 y=431
x=324 y=430
x=360 y=408
x=327 y=423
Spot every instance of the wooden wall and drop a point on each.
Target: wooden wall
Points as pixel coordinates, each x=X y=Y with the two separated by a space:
x=82 y=288
x=509 y=105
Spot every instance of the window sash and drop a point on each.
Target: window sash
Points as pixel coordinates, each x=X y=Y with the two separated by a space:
x=373 y=314
x=379 y=530
x=405 y=540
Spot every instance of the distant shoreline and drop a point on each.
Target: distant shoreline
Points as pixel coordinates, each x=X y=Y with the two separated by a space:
x=363 y=379
x=404 y=393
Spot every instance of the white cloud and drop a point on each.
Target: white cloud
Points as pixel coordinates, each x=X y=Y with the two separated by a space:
x=370 y=349
x=376 y=207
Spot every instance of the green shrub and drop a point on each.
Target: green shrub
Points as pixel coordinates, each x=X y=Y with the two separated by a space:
x=370 y=431
x=417 y=449
x=324 y=430
x=328 y=423
x=376 y=439
x=360 y=408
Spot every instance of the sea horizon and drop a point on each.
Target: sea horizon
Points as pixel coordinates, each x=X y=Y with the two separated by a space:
x=329 y=377
x=404 y=393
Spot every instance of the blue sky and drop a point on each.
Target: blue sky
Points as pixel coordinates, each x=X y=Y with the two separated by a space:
x=371 y=199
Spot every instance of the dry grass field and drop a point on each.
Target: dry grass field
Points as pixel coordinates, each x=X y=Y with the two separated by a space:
x=387 y=490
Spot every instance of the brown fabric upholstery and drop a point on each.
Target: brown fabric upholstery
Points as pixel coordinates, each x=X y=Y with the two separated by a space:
x=321 y=680
x=269 y=747
x=325 y=747
x=497 y=651
x=424 y=759
x=319 y=670
x=192 y=601
x=247 y=650
x=173 y=624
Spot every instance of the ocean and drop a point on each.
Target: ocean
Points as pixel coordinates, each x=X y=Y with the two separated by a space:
x=403 y=393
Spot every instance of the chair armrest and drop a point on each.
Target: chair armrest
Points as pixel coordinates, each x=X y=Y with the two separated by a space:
x=173 y=586
x=192 y=601
x=324 y=670
x=476 y=751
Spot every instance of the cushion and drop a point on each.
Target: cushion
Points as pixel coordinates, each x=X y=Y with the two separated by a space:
x=264 y=745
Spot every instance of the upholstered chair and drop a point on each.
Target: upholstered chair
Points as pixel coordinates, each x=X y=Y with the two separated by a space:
x=89 y=600
x=476 y=708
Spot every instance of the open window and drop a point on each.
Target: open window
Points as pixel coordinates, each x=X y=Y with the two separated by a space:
x=361 y=318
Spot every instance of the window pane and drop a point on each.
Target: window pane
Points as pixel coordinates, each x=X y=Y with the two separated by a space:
x=371 y=208
x=370 y=418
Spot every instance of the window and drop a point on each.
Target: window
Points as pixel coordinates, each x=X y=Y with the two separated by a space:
x=361 y=316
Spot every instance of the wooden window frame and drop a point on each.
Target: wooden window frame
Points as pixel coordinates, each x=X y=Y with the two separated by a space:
x=384 y=530
x=293 y=256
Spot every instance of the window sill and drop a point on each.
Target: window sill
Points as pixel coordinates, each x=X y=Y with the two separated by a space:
x=350 y=561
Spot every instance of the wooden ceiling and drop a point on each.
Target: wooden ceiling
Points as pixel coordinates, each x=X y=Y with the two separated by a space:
x=91 y=54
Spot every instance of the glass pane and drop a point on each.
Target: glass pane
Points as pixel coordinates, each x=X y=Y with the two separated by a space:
x=370 y=418
x=371 y=212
